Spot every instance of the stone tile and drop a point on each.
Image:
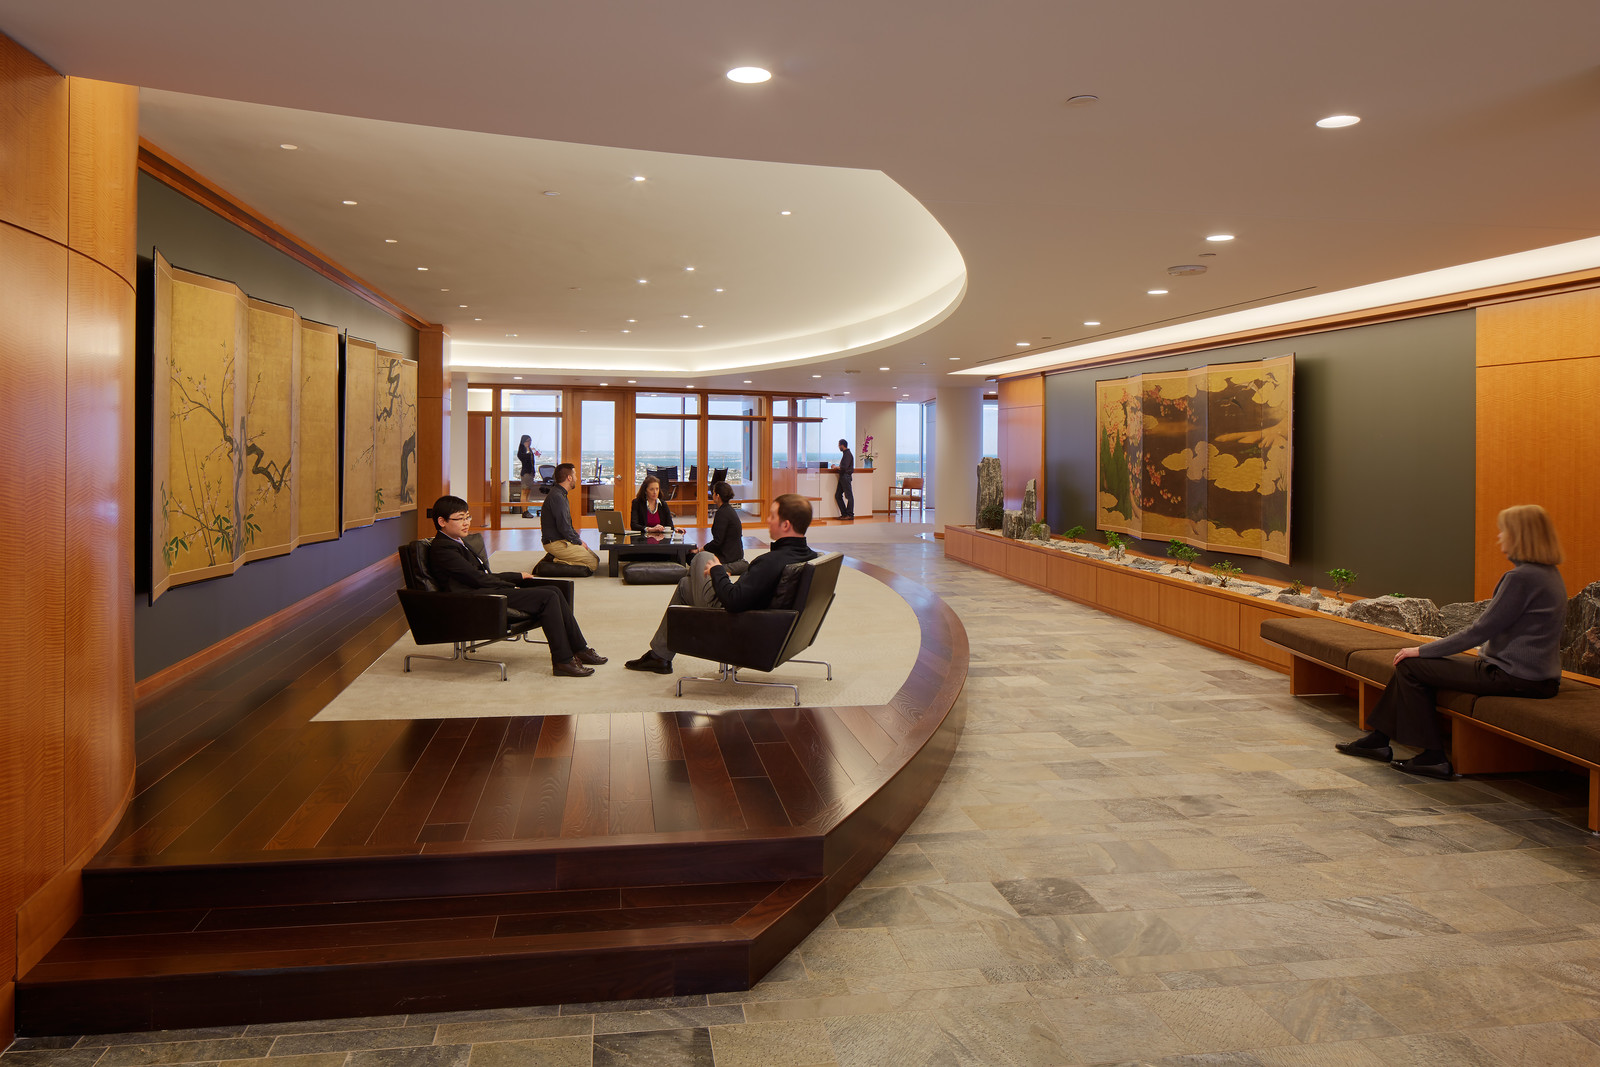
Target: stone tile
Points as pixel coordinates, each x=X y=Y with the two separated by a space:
x=1217 y=1020
x=323 y=1026
x=430 y=1056
x=472 y=1032
x=680 y=1048
x=545 y=1052
x=629 y=1022
x=52 y=1057
x=228 y=1048
x=352 y=1040
x=1047 y=896
x=839 y=953
x=797 y=1043
x=1113 y=1029
x=893 y=906
x=902 y=868
x=484 y=1015
x=309 y=1059
x=645 y=1004
x=1540 y=1045
x=887 y=1040
x=1320 y=1011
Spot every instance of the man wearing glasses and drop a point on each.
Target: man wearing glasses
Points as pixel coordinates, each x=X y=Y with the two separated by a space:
x=457 y=568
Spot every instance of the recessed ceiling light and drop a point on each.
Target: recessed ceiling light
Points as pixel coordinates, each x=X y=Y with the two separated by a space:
x=1091 y=322
x=390 y=241
x=1083 y=99
x=1156 y=292
x=552 y=192
x=716 y=290
x=1022 y=344
x=816 y=375
x=747 y=381
x=644 y=281
x=905 y=394
x=510 y=335
x=627 y=331
x=477 y=320
x=688 y=268
x=605 y=383
x=1334 y=122
x=955 y=359
x=461 y=305
x=422 y=268
x=883 y=368
x=350 y=203
x=516 y=377
x=638 y=177
x=1219 y=237
x=289 y=147
x=683 y=316
x=633 y=381
x=699 y=325
x=633 y=320
x=749 y=75
x=441 y=290
x=847 y=392
x=786 y=213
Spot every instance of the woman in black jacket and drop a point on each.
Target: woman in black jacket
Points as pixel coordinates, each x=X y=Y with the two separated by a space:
x=727 y=531
x=650 y=513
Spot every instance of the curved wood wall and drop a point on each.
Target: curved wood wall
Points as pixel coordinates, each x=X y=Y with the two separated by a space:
x=67 y=259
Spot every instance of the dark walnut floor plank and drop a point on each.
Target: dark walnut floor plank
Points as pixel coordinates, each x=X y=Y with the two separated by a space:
x=672 y=797
x=544 y=799
x=463 y=789
x=714 y=798
x=587 y=812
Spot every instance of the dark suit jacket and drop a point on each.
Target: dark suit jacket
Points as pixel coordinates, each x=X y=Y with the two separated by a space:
x=638 y=522
x=459 y=569
x=727 y=535
x=847 y=466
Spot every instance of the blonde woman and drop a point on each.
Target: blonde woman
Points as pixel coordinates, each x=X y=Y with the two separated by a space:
x=1520 y=634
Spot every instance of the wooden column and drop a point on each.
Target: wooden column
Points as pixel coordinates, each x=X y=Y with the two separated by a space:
x=1538 y=434
x=1022 y=437
x=433 y=422
x=67 y=219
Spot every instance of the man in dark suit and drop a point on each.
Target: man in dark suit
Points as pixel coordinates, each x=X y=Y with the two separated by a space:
x=457 y=568
x=844 y=495
x=709 y=585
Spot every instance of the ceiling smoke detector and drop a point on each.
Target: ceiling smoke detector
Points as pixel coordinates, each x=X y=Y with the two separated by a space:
x=1183 y=270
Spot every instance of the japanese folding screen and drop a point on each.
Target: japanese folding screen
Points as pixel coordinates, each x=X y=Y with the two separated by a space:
x=318 y=461
x=360 y=433
x=1203 y=456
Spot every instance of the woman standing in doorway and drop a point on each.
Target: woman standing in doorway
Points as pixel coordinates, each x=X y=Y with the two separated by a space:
x=528 y=457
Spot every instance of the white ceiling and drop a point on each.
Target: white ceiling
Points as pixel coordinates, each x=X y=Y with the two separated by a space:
x=1480 y=137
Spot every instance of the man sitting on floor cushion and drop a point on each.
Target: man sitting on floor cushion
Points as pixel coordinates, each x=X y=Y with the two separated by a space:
x=708 y=584
x=555 y=524
x=457 y=568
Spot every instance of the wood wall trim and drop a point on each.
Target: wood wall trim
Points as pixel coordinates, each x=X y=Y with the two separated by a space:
x=154 y=685
x=1472 y=298
x=167 y=170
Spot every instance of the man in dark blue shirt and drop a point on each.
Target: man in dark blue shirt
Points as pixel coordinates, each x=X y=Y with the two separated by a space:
x=555 y=524
x=844 y=493
x=709 y=586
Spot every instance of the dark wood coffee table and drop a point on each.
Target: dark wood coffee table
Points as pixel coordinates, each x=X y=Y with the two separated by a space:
x=637 y=546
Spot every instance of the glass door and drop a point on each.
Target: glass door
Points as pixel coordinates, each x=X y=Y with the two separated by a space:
x=602 y=439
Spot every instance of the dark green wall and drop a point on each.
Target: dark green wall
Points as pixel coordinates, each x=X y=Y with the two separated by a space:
x=189 y=618
x=1384 y=422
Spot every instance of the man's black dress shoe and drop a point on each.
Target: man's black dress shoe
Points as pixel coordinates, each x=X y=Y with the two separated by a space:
x=1355 y=748
x=650 y=662
x=571 y=669
x=591 y=657
x=1427 y=770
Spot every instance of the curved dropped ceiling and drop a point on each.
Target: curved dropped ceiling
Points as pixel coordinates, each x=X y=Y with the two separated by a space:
x=550 y=281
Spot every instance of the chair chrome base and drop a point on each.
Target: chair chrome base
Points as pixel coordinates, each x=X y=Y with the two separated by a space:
x=463 y=651
x=730 y=676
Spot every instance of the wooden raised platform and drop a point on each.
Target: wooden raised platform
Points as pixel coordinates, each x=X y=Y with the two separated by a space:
x=272 y=868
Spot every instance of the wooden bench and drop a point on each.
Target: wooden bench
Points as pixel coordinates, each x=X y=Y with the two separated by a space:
x=1487 y=734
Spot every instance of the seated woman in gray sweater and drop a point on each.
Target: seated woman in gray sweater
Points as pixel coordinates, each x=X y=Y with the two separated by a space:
x=1520 y=632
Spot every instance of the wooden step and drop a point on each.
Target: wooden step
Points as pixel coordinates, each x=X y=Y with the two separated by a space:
x=183 y=967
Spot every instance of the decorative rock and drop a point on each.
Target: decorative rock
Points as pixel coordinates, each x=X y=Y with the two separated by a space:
x=1457 y=617
x=1145 y=565
x=1015 y=525
x=1205 y=579
x=1293 y=600
x=991 y=490
x=1030 y=502
x=1248 y=588
x=1415 y=615
x=1580 y=639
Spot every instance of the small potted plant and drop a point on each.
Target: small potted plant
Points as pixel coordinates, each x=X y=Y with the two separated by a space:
x=1072 y=533
x=1184 y=554
x=1225 y=570
x=1116 y=544
x=1296 y=587
x=868 y=456
x=991 y=518
x=1039 y=531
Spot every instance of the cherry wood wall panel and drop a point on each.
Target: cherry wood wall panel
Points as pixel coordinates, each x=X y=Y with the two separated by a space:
x=33 y=143
x=33 y=289
x=1538 y=432
x=1562 y=326
x=99 y=554
x=103 y=128
x=433 y=423
x=1022 y=438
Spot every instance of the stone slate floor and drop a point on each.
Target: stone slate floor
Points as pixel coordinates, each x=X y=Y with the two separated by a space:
x=1144 y=852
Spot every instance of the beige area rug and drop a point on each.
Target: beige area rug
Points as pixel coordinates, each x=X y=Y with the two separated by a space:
x=871 y=637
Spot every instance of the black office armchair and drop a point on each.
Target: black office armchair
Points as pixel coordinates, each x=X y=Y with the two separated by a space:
x=467 y=621
x=759 y=640
x=547 y=479
x=718 y=474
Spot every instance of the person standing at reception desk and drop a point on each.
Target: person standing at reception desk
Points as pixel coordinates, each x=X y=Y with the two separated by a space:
x=844 y=494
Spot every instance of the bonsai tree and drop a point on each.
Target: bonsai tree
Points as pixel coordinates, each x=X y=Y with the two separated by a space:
x=1039 y=531
x=1225 y=571
x=1184 y=554
x=1073 y=533
x=991 y=517
x=1342 y=576
x=1116 y=543
x=1296 y=587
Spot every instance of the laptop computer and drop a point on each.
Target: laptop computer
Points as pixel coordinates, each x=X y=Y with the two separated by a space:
x=610 y=522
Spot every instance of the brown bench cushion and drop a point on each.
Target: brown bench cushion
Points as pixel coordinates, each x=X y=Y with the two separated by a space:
x=1568 y=722
x=1329 y=640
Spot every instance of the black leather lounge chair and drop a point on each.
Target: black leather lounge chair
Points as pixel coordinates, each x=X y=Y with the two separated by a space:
x=468 y=621
x=759 y=640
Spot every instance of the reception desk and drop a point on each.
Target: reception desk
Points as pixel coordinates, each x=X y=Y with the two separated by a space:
x=863 y=486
